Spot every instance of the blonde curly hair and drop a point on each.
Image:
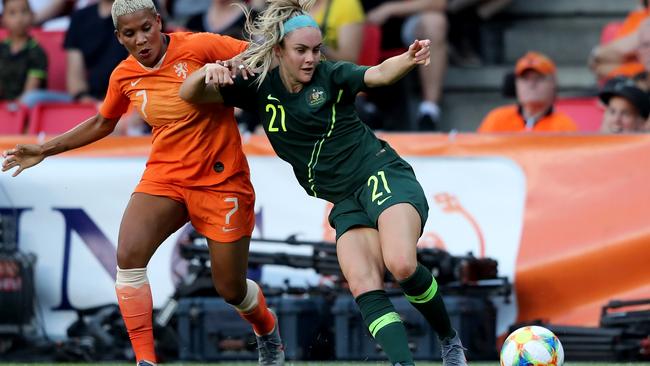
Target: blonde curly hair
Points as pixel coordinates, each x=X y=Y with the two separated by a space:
x=266 y=31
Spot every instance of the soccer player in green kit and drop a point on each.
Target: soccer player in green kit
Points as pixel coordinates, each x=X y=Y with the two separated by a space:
x=307 y=109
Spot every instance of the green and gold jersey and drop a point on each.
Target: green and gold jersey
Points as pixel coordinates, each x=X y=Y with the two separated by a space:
x=317 y=130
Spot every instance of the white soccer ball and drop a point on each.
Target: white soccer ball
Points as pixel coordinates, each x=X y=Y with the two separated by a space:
x=532 y=346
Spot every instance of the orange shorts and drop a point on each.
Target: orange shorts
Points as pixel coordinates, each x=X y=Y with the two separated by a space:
x=224 y=212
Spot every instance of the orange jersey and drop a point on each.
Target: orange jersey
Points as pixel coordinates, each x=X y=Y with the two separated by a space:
x=193 y=145
x=508 y=119
x=632 y=22
x=630 y=25
x=628 y=69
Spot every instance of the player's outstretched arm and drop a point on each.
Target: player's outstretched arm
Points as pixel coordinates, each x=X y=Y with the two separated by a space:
x=394 y=68
x=202 y=86
x=25 y=156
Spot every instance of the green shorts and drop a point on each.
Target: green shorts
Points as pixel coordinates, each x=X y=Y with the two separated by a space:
x=394 y=183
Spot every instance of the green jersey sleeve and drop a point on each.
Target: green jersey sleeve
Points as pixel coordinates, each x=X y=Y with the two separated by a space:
x=349 y=76
x=242 y=94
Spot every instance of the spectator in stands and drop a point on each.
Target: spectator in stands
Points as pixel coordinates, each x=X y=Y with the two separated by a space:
x=23 y=68
x=52 y=14
x=224 y=17
x=628 y=107
x=404 y=21
x=48 y=9
x=23 y=63
x=466 y=17
x=341 y=23
x=618 y=57
x=55 y=14
x=643 y=54
x=92 y=52
x=180 y=11
x=536 y=89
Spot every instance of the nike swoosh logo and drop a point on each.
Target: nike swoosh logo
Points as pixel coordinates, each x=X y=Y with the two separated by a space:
x=227 y=230
x=127 y=297
x=134 y=83
x=379 y=203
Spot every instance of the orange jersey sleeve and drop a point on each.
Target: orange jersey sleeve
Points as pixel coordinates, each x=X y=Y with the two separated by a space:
x=193 y=145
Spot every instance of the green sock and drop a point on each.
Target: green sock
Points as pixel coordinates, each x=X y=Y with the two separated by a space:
x=385 y=325
x=421 y=290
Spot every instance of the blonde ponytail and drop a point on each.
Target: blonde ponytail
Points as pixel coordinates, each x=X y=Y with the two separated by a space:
x=265 y=32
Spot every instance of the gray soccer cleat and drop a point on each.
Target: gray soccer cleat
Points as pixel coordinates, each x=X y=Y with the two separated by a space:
x=270 y=346
x=145 y=363
x=453 y=352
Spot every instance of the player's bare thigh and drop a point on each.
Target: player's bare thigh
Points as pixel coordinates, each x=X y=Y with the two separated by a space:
x=399 y=231
x=229 y=263
x=148 y=220
x=360 y=258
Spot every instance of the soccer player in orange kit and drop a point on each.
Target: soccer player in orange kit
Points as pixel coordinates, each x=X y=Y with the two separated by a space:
x=196 y=171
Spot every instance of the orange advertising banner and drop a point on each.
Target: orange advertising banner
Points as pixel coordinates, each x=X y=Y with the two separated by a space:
x=586 y=225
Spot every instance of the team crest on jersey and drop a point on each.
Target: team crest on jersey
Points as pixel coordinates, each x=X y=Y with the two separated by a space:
x=316 y=97
x=181 y=69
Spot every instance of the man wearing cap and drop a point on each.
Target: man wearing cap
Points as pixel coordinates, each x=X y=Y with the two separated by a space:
x=628 y=107
x=535 y=83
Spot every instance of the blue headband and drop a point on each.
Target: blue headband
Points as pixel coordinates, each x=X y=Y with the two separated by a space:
x=300 y=21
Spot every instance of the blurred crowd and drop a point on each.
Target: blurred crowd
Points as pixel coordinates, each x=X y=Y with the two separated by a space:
x=360 y=31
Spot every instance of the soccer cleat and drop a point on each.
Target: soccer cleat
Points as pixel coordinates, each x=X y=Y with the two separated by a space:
x=452 y=352
x=145 y=363
x=270 y=346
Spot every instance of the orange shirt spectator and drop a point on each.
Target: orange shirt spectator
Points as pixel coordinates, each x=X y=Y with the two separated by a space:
x=535 y=82
x=632 y=22
x=509 y=119
x=630 y=25
x=617 y=57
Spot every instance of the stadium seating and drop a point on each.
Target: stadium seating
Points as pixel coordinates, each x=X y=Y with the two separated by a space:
x=371 y=45
x=52 y=44
x=371 y=52
x=55 y=118
x=12 y=117
x=586 y=112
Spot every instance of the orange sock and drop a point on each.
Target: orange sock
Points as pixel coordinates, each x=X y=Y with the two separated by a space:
x=136 y=305
x=260 y=317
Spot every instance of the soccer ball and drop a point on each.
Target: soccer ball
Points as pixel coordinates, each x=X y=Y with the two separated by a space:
x=532 y=346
